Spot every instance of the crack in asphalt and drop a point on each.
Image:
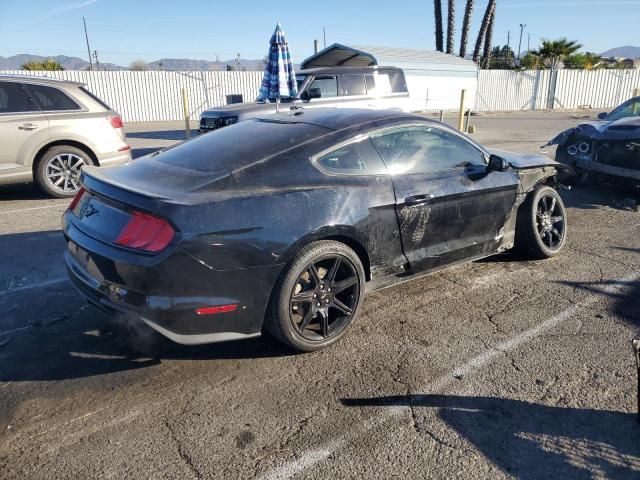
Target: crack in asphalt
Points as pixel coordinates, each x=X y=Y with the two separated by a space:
x=183 y=454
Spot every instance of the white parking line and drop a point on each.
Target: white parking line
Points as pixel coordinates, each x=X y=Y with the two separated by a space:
x=314 y=456
x=45 y=283
x=34 y=208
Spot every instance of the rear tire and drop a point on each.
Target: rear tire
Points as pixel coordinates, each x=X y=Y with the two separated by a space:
x=317 y=298
x=541 y=228
x=58 y=170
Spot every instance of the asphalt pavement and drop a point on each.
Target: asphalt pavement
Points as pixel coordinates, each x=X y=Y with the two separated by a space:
x=495 y=369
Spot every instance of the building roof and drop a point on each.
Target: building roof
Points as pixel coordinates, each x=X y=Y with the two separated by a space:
x=410 y=60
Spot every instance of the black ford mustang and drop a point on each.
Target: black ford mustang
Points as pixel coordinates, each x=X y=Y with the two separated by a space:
x=284 y=223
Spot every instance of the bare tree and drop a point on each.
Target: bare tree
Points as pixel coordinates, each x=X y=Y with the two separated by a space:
x=437 y=7
x=488 y=40
x=483 y=29
x=451 y=26
x=139 y=66
x=466 y=26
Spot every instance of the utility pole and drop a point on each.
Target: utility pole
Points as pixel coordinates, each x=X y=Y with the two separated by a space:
x=529 y=43
x=86 y=36
x=95 y=55
x=217 y=61
x=324 y=36
x=522 y=27
x=509 y=48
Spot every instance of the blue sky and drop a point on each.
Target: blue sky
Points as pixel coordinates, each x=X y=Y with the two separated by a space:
x=125 y=30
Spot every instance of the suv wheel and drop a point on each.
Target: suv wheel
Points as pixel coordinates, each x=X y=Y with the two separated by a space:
x=58 y=171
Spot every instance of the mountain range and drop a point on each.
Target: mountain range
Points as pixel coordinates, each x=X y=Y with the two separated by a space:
x=15 y=62
x=627 y=51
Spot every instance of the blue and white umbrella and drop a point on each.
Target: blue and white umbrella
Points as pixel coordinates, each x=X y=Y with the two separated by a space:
x=279 y=78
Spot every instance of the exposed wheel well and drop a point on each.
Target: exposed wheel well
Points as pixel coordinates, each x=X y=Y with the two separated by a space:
x=71 y=143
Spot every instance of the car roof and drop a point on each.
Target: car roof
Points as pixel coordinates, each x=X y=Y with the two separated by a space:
x=38 y=79
x=338 y=118
x=352 y=70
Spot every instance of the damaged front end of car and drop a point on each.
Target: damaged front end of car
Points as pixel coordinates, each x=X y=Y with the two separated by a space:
x=604 y=152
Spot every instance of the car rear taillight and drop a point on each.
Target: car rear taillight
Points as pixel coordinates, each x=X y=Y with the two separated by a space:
x=116 y=122
x=76 y=200
x=145 y=232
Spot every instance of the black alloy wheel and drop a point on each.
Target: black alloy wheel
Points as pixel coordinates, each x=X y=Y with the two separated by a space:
x=541 y=229
x=550 y=221
x=318 y=296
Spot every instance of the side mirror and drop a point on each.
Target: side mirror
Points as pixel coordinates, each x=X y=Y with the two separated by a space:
x=311 y=93
x=602 y=116
x=497 y=164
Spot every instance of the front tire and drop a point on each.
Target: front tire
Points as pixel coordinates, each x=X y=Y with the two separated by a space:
x=58 y=170
x=541 y=229
x=318 y=297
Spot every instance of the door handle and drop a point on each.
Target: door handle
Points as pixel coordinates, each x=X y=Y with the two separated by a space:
x=27 y=126
x=417 y=199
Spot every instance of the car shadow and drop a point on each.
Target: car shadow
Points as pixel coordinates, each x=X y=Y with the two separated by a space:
x=76 y=346
x=589 y=196
x=530 y=440
x=23 y=191
x=162 y=134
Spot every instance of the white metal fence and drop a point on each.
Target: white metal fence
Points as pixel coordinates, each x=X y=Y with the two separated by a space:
x=500 y=90
x=156 y=96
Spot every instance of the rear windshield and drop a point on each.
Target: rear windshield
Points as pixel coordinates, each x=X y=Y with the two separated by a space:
x=239 y=145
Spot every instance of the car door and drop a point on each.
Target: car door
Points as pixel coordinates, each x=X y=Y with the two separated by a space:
x=449 y=207
x=22 y=127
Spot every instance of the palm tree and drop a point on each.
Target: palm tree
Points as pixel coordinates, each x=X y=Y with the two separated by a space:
x=554 y=52
x=483 y=29
x=437 y=6
x=488 y=39
x=48 y=65
x=466 y=25
x=451 y=26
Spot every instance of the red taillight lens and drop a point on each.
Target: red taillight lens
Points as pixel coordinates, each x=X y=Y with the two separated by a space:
x=145 y=232
x=76 y=200
x=116 y=122
x=217 y=309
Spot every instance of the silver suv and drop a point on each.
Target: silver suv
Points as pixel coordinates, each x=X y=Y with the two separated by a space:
x=50 y=129
x=383 y=88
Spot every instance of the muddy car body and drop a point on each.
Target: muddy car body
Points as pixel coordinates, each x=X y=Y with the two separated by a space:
x=218 y=238
x=608 y=149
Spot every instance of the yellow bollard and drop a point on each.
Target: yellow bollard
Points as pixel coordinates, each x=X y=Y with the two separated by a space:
x=461 y=115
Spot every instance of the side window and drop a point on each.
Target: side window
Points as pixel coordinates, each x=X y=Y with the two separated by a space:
x=343 y=160
x=13 y=99
x=50 y=98
x=425 y=149
x=398 y=82
x=351 y=85
x=628 y=109
x=377 y=84
x=328 y=86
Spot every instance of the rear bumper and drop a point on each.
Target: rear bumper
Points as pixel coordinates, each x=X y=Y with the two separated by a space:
x=166 y=292
x=117 y=158
x=172 y=316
